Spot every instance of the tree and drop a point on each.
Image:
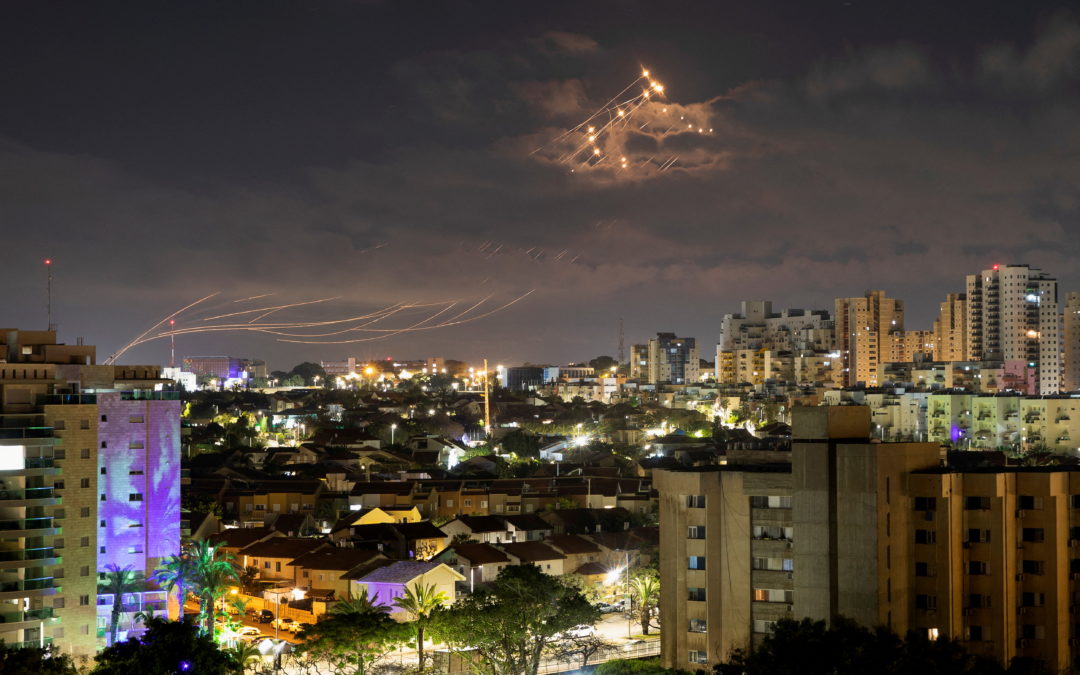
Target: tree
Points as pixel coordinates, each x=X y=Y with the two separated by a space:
x=511 y=621
x=645 y=589
x=634 y=667
x=119 y=582
x=811 y=648
x=168 y=648
x=352 y=641
x=176 y=572
x=211 y=578
x=359 y=605
x=309 y=371
x=603 y=363
x=421 y=601
x=35 y=661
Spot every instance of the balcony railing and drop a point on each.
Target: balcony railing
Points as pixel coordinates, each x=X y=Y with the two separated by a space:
x=28 y=554
x=29 y=644
x=26 y=524
x=29 y=615
x=67 y=399
x=26 y=585
x=27 y=432
x=147 y=395
x=28 y=493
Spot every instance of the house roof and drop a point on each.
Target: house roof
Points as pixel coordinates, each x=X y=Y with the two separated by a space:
x=527 y=521
x=532 y=551
x=290 y=522
x=591 y=568
x=480 y=554
x=400 y=572
x=340 y=559
x=481 y=524
x=423 y=529
x=571 y=543
x=241 y=537
x=283 y=547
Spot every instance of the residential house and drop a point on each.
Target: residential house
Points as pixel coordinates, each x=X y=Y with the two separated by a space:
x=484 y=529
x=388 y=583
x=527 y=527
x=579 y=552
x=479 y=563
x=323 y=571
x=273 y=556
x=536 y=553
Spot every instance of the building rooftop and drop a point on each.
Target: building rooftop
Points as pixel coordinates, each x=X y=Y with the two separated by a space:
x=400 y=572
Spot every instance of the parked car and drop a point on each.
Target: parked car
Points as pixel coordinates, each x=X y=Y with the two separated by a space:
x=249 y=631
x=294 y=627
x=579 y=631
x=266 y=616
x=606 y=608
x=284 y=623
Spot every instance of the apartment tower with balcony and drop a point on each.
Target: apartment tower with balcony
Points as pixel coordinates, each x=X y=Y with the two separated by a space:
x=103 y=472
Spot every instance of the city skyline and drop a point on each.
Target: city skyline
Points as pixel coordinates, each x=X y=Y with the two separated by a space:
x=314 y=152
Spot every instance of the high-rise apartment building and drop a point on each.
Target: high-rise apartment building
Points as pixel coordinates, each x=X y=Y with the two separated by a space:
x=666 y=359
x=805 y=535
x=94 y=457
x=951 y=329
x=1013 y=317
x=757 y=336
x=882 y=533
x=863 y=327
x=1070 y=380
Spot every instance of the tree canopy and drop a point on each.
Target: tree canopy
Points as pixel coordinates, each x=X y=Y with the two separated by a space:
x=811 y=648
x=35 y=661
x=353 y=639
x=168 y=648
x=509 y=622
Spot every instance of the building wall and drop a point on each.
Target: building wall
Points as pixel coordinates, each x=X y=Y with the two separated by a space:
x=77 y=428
x=1071 y=343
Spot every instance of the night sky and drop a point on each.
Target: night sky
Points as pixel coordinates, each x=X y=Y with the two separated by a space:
x=382 y=152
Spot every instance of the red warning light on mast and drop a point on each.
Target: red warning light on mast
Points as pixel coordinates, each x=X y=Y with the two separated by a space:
x=48 y=261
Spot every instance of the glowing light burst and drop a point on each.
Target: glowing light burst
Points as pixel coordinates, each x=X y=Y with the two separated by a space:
x=202 y=317
x=599 y=141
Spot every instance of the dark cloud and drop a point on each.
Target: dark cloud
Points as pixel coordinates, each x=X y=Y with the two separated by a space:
x=900 y=163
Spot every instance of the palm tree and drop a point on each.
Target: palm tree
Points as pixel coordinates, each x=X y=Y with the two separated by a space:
x=119 y=582
x=176 y=572
x=358 y=605
x=420 y=601
x=245 y=653
x=646 y=590
x=212 y=576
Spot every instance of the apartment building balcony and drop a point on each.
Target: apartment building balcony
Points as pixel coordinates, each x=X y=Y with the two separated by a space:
x=28 y=527
x=67 y=399
x=29 y=557
x=770 y=516
x=21 y=588
x=770 y=548
x=772 y=579
x=31 y=618
x=42 y=496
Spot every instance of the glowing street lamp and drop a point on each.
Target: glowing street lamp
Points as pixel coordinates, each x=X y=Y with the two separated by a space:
x=393 y=427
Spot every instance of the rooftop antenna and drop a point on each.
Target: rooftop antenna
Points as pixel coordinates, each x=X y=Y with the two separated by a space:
x=172 y=345
x=622 y=346
x=48 y=293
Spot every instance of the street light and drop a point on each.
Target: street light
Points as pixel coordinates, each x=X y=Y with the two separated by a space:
x=393 y=427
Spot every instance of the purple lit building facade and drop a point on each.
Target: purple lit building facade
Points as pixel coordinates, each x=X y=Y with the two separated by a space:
x=139 y=480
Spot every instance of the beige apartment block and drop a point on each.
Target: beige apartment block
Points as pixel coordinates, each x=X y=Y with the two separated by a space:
x=863 y=329
x=1012 y=316
x=996 y=557
x=1070 y=380
x=951 y=329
